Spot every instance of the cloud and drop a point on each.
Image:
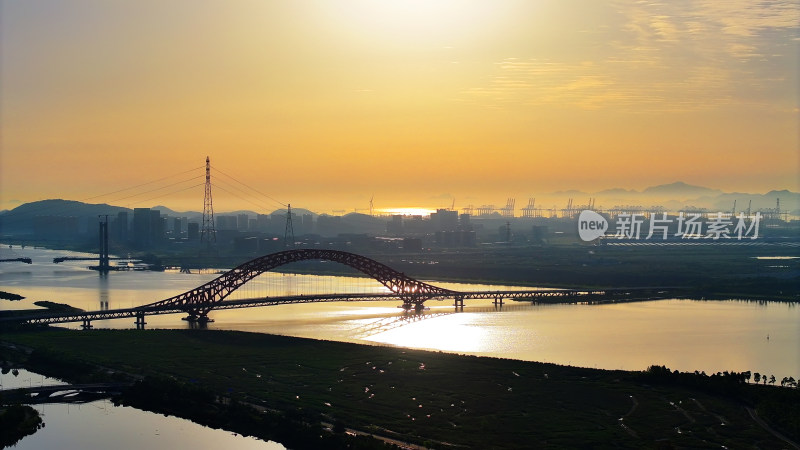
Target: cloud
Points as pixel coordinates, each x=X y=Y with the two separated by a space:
x=665 y=56
x=616 y=83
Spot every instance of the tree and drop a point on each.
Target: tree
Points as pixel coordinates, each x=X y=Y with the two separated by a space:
x=772 y=379
x=757 y=377
x=746 y=376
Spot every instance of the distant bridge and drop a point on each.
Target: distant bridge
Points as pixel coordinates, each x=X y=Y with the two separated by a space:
x=198 y=302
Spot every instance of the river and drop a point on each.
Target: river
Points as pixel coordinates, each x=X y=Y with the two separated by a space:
x=688 y=335
x=100 y=424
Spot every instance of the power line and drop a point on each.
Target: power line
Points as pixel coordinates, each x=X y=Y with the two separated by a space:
x=58 y=210
x=251 y=188
x=44 y=209
x=158 y=189
x=140 y=185
x=259 y=206
x=168 y=193
x=247 y=195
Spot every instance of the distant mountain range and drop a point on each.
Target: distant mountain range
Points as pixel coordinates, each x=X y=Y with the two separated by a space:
x=672 y=197
x=21 y=218
x=195 y=214
x=675 y=191
x=680 y=195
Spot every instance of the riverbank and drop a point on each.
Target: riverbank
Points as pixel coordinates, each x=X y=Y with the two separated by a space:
x=428 y=397
x=16 y=422
x=751 y=272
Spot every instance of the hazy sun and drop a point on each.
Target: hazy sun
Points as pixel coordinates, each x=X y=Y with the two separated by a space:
x=418 y=21
x=408 y=211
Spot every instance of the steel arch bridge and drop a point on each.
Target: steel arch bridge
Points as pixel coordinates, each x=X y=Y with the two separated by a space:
x=202 y=299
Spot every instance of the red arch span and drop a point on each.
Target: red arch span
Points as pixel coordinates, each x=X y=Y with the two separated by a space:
x=202 y=299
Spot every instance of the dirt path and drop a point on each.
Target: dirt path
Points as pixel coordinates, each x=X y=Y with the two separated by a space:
x=765 y=426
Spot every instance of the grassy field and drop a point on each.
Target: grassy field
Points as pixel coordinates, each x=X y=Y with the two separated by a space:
x=435 y=399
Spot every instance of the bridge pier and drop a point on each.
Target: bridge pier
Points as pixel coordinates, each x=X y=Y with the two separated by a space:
x=140 y=323
x=195 y=318
x=459 y=302
x=87 y=324
x=498 y=301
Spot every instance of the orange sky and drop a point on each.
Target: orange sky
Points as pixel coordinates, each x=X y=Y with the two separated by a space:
x=324 y=104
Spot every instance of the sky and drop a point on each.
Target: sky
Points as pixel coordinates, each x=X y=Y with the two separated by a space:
x=328 y=104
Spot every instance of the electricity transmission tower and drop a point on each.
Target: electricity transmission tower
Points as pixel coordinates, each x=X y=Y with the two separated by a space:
x=208 y=234
x=289 y=231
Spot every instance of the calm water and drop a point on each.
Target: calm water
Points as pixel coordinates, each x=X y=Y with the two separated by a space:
x=100 y=424
x=687 y=335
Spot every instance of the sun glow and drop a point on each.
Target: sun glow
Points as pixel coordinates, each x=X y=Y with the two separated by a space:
x=408 y=211
x=413 y=21
x=454 y=332
x=415 y=101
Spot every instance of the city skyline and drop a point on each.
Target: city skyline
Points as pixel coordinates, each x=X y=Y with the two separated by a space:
x=327 y=105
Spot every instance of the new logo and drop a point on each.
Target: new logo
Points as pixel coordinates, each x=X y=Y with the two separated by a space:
x=591 y=225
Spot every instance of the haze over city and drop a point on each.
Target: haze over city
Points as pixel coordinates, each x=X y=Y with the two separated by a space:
x=339 y=224
x=327 y=104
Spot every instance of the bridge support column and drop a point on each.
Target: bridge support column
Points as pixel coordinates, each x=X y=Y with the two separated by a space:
x=201 y=318
x=498 y=300
x=204 y=319
x=459 y=302
x=140 y=323
x=87 y=324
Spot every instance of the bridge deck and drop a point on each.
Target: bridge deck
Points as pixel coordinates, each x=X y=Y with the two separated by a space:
x=198 y=302
x=542 y=295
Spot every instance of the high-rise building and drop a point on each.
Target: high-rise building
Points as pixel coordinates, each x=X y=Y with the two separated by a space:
x=263 y=222
x=157 y=226
x=193 y=231
x=227 y=223
x=242 y=222
x=119 y=227
x=141 y=227
x=395 y=226
x=464 y=222
x=444 y=220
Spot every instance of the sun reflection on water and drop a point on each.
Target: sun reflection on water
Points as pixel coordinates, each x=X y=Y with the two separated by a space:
x=451 y=332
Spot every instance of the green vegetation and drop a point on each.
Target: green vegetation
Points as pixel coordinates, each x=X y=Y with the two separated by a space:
x=433 y=399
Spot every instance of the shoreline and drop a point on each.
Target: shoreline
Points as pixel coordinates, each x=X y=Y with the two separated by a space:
x=418 y=396
x=698 y=272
